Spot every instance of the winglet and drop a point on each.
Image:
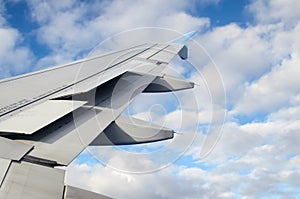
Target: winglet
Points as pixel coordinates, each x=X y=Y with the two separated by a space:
x=184 y=38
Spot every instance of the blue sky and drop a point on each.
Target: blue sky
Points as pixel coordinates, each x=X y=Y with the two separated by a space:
x=252 y=44
x=225 y=12
x=18 y=17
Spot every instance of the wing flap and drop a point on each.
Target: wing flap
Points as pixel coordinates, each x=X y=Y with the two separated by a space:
x=39 y=116
x=128 y=130
x=13 y=150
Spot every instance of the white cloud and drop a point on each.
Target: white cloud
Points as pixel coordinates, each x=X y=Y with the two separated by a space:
x=276 y=11
x=14 y=58
x=183 y=22
x=240 y=55
x=273 y=90
x=285 y=114
x=70 y=29
x=187 y=183
x=286 y=41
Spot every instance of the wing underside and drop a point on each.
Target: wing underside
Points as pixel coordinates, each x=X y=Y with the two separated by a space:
x=48 y=118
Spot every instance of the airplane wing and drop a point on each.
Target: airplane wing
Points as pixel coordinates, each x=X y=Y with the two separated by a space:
x=47 y=118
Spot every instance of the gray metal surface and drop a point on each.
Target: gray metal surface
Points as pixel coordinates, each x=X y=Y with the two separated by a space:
x=183 y=53
x=28 y=181
x=168 y=84
x=128 y=130
x=13 y=150
x=167 y=54
x=154 y=50
x=97 y=80
x=39 y=116
x=24 y=91
x=77 y=193
x=67 y=142
x=4 y=165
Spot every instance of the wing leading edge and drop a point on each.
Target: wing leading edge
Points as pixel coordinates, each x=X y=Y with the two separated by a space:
x=42 y=128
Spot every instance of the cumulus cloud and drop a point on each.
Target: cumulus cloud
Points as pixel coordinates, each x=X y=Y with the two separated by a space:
x=276 y=11
x=273 y=90
x=240 y=55
x=71 y=28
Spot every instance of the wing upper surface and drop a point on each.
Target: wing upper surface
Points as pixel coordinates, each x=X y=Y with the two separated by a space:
x=27 y=89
